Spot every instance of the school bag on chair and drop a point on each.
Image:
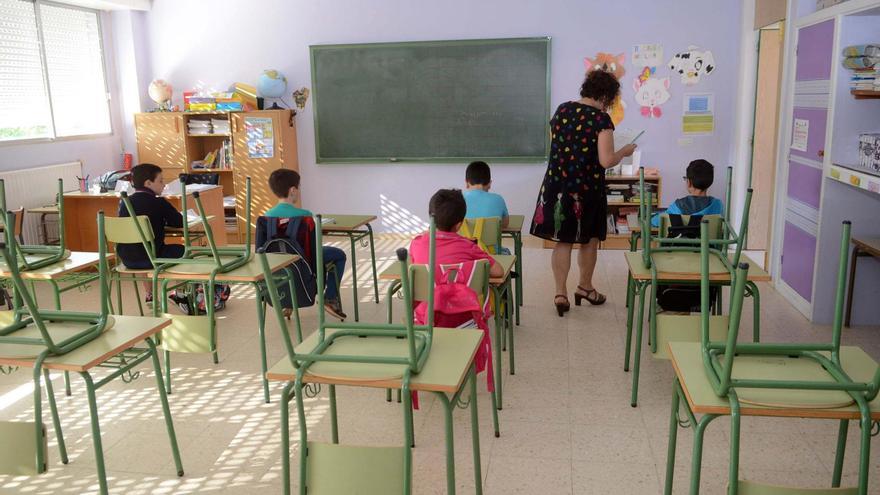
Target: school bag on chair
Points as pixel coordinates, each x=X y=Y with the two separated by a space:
x=292 y=235
x=682 y=298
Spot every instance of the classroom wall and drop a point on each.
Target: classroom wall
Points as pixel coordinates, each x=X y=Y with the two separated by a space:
x=190 y=46
x=97 y=154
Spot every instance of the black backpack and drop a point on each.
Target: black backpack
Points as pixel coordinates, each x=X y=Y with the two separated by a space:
x=682 y=298
x=292 y=235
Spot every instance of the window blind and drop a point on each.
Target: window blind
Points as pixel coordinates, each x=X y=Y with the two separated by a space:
x=25 y=112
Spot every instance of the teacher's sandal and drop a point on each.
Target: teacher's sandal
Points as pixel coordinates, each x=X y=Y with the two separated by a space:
x=561 y=307
x=592 y=296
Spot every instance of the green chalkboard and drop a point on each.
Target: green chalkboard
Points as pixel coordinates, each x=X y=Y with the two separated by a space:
x=440 y=101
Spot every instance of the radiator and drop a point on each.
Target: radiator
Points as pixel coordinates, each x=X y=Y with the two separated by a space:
x=33 y=187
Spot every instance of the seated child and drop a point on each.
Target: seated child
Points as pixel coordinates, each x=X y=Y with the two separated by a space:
x=480 y=202
x=700 y=175
x=148 y=183
x=285 y=184
x=448 y=208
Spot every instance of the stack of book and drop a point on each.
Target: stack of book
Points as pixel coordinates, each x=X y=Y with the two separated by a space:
x=220 y=126
x=864 y=63
x=865 y=80
x=199 y=127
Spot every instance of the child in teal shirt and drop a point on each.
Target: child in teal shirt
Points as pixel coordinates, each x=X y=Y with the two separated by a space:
x=480 y=202
x=699 y=176
x=285 y=184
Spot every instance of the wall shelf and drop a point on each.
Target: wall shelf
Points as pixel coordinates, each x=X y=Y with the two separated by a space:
x=854 y=178
x=864 y=94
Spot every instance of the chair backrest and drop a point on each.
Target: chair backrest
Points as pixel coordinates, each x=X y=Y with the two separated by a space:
x=418 y=338
x=45 y=255
x=27 y=312
x=17 y=225
x=485 y=230
x=122 y=230
x=714 y=225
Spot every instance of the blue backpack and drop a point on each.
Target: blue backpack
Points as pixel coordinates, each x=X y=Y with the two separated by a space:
x=292 y=235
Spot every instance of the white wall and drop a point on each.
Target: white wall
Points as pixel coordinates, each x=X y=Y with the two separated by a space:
x=194 y=46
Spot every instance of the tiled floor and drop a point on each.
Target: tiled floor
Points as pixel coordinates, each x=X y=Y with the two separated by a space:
x=567 y=426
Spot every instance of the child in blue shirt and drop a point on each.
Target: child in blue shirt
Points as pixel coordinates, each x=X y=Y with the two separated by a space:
x=285 y=184
x=699 y=176
x=480 y=202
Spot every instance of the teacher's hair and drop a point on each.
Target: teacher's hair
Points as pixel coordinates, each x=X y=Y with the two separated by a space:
x=601 y=86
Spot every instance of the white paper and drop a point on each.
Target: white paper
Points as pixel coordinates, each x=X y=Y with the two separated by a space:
x=800 y=135
x=192 y=217
x=172 y=188
x=699 y=103
x=124 y=185
x=647 y=55
x=692 y=64
x=698 y=115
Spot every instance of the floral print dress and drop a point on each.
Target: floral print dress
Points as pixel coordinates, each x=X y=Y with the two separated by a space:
x=572 y=206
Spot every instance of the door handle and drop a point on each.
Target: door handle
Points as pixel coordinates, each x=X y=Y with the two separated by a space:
x=821 y=153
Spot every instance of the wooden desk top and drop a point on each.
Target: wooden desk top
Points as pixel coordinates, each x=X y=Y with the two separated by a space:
x=77 y=261
x=126 y=332
x=45 y=210
x=717 y=272
x=452 y=352
x=114 y=194
x=514 y=224
x=688 y=364
x=250 y=272
x=345 y=223
x=506 y=261
x=869 y=245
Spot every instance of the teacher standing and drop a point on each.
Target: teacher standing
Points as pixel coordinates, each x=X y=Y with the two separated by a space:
x=572 y=207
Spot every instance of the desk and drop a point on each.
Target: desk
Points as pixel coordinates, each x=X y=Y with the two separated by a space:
x=44 y=211
x=500 y=287
x=635 y=230
x=356 y=228
x=81 y=210
x=692 y=387
x=514 y=231
x=119 y=340
x=451 y=359
x=861 y=247
x=668 y=270
x=250 y=273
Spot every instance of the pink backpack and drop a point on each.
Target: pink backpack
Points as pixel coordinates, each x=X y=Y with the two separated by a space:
x=457 y=305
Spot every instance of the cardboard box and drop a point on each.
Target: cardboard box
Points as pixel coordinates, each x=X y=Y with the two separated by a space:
x=869 y=152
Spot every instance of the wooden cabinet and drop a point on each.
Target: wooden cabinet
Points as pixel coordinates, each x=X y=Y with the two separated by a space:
x=263 y=141
x=163 y=138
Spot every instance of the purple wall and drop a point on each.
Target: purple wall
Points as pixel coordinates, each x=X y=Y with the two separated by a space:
x=798 y=253
x=814 y=51
x=804 y=183
x=192 y=46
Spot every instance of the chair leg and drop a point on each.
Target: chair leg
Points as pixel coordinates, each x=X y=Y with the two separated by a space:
x=261 y=330
x=334 y=423
x=697 y=457
x=387 y=395
x=56 y=421
x=285 y=438
x=119 y=307
x=673 y=438
x=168 y=372
x=475 y=433
x=630 y=295
x=865 y=448
x=137 y=295
x=166 y=410
x=354 y=283
x=852 y=282
x=509 y=306
x=756 y=313
x=842 y=431
x=96 y=433
x=733 y=466
x=637 y=356
x=67 y=383
x=373 y=261
x=495 y=424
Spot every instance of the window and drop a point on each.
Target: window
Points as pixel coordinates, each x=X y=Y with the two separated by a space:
x=51 y=72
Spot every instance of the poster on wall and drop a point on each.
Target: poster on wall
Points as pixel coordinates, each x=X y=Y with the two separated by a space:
x=692 y=64
x=613 y=64
x=698 y=116
x=260 y=137
x=651 y=93
x=647 y=55
x=800 y=135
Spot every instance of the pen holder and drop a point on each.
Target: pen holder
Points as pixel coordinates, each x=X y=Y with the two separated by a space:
x=83 y=184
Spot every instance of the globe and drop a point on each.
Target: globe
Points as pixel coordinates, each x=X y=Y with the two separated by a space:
x=272 y=84
x=160 y=91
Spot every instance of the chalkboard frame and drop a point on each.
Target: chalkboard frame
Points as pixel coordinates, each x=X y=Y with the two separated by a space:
x=426 y=159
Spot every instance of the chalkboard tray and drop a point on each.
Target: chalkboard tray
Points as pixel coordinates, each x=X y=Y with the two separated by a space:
x=432 y=101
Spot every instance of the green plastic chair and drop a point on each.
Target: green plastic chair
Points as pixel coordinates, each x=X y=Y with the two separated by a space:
x=679 y=255
x=357 y=351
x=771 y=375
x=121 y=230
x=33 y=257
x=33 y=333
x=485 y=230
x=189 y=333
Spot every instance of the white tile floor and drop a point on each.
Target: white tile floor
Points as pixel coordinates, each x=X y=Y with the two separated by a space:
x=567 y=426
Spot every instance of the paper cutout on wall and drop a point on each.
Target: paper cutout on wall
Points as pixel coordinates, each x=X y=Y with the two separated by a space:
x=647 y=55
x=801 y=134
x=692 y=64
x=699 y=114
x=651 y=92
x=613 y=64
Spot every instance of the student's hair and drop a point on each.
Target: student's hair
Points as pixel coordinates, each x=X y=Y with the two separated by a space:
x=478 y=174
x=701 y=174
x=601 y=86
x=144 y=172
x=448 y=208
x=281 y=180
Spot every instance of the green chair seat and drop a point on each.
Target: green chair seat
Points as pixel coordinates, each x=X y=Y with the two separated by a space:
x=198 y=268
x=35 y=258
x=756 y=367
x=187 y=333
x=334 y=469
x=19 y=452
x=59 y=331
x=752 y=488
x=372 y=346
x=686 y=262
x=686 y=328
